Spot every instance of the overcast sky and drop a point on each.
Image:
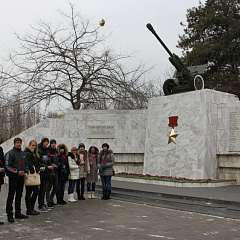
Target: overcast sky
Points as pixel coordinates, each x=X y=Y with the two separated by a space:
x=125 y=19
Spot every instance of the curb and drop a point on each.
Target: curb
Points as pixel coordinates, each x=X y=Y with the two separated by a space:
x=217 y=183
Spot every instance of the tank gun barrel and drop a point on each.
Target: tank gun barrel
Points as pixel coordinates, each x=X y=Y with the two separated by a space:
x=150 y=27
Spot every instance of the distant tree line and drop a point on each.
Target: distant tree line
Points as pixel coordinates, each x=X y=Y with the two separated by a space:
x=15 y=118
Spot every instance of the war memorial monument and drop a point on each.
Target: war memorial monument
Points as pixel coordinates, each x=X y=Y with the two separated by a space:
x=190 y=132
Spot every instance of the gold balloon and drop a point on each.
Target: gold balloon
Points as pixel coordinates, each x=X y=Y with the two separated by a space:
x=172 y=136
x=102 y=22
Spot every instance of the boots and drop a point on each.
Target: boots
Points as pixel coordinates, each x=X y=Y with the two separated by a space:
x=104 y=197
x=33 y=200
x=81 y=197
x=71 y=198
x=58 y=200
x=10 y=217
x=29 y=207
x=108 y=194
x=89 y=195
x=20 y=215
x=78 y=193
x=93 y=195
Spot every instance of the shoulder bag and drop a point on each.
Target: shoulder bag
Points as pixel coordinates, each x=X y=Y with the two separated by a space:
x=33 y=179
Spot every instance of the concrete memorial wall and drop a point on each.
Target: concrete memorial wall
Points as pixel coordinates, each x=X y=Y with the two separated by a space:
x=194 y=154
x=123 y=130
x=207 y=123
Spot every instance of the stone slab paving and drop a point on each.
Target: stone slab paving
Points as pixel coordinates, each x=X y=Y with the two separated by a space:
x=117 y=220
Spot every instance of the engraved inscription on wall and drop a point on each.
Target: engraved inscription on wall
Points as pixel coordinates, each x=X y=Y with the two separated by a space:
x=100 y=131
x=234 y=136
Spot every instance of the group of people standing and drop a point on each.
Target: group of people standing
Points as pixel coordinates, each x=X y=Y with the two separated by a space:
x=56 y=166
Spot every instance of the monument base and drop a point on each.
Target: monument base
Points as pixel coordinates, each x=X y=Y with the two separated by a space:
x=194 y=154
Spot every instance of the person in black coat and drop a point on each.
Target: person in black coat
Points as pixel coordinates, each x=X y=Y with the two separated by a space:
x=33 y=165
x=52 y=185
x=46 y=169
x=2 y=173
x=63 y=171
x=16 y=169
x=2 y=167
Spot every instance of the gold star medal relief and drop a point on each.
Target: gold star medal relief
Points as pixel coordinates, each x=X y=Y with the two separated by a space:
x=172 y=135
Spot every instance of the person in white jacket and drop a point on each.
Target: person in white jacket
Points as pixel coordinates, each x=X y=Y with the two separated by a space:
x=74 y=166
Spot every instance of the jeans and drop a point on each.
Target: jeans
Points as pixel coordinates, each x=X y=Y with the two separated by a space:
x=89 y=187
x=106 y=183
x=45 y=179
x=51 y=184
x=81 y=182
x=71 y=185
x=61 y=189
x=15 y=185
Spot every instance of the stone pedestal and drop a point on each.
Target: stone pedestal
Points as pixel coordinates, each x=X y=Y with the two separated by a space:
x=194 y=154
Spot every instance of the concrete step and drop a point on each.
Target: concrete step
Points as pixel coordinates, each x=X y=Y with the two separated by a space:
x=217 y=207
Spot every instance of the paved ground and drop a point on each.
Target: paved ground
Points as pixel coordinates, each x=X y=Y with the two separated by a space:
x=114 y=219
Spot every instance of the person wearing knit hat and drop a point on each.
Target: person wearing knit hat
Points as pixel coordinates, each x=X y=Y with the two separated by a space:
x=52 y=184
x=44 y=140
x=105 y=163
x=52 y=141
x=105 y=145
x=81 y=145
x=46 y=169
x=84 y=170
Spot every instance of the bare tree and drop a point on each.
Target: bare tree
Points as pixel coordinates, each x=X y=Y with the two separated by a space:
x=70 y=62
x=16 y=118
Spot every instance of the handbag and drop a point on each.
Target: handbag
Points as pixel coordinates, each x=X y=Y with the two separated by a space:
x=33 y=179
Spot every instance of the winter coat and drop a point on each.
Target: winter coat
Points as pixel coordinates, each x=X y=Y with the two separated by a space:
x=63 y=168
x=44 y=160
x=73 y=167
x=54 y=158
x=15 y=161
x=32 y=159
x=92 y=177
x=105 y=163
x=84 y=163
x=2 y=165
